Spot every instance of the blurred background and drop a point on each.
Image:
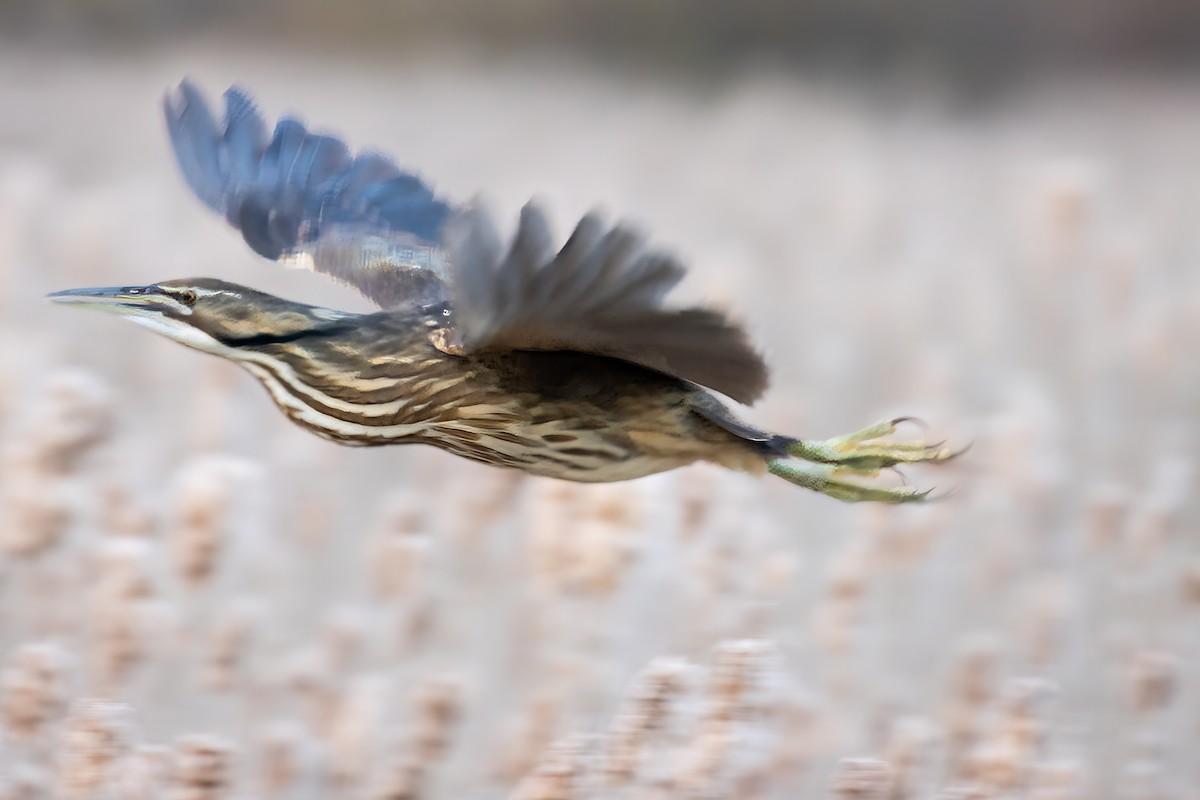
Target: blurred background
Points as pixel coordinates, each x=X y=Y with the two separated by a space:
x=983 y=214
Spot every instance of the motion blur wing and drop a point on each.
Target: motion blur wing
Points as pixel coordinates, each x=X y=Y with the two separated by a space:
x=601 y=293
x=302 y=198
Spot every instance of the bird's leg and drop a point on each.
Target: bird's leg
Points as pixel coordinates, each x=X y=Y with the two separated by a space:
x=833 y=481
x=834 y=463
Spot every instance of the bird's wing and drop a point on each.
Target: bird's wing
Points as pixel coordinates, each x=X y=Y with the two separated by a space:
x=602 y=293
x=302 y=198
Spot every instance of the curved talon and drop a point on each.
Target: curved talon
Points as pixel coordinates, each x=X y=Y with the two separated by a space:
x=939 y=452
x=904 y=494
x=960 y=451
x=920 y=423
x=938 y=498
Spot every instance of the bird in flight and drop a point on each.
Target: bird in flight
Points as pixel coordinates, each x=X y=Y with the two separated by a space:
x=561 y=362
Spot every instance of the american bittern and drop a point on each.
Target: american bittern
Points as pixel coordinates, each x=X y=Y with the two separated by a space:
x=565 y=364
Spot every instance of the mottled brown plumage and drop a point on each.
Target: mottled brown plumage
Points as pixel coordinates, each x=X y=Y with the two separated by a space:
x=564 y=362
x=375 y=379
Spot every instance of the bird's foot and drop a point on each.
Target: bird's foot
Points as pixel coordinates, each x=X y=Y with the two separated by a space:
x=870 y=449
x=838 y=482
x=835 y=463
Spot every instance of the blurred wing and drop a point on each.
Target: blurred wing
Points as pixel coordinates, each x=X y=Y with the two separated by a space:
x=303 y=199
x=601 y=293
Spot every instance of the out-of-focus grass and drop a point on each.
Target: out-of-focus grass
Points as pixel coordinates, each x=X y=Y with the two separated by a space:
x=199 y=598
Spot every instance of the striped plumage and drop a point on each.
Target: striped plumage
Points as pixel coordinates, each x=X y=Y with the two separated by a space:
x=564 y=363
x=375 y=379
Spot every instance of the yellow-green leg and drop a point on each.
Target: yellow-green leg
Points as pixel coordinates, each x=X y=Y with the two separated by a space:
x=834 y=481
x=834 y=464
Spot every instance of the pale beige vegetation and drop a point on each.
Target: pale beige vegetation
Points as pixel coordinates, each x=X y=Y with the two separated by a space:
x=199 y=600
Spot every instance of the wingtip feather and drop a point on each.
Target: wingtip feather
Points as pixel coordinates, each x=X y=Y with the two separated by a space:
x=194 y=138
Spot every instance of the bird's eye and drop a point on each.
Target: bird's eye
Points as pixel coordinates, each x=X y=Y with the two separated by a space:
x=187 y=297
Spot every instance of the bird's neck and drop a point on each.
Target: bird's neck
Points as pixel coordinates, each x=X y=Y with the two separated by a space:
x=370 y=358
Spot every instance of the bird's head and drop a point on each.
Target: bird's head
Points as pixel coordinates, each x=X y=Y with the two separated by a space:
x=205 y=313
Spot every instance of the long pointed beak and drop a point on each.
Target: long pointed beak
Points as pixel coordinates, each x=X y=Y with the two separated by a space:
x=110 y=298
